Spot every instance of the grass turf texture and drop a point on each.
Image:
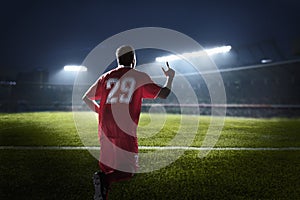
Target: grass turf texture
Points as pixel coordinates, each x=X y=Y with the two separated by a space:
x=42 y=174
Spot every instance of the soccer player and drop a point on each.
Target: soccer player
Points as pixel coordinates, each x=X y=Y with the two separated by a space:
x=120 y=92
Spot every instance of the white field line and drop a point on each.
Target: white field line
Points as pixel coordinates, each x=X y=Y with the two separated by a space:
x=154 y=148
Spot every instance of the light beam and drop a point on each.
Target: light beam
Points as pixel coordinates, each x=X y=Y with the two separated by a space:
x=212 y=51
x=75 y=68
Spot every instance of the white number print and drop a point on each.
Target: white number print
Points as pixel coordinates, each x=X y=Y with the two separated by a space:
x=126 y=87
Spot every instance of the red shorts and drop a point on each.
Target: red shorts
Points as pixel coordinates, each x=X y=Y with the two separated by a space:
x=118 y=154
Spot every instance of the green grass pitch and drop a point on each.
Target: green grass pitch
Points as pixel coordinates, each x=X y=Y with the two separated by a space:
x=224 y=174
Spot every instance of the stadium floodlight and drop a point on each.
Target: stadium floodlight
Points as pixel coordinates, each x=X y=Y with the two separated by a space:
x=75 y=68
x=212 y=51
x=167 y=58
x=266 y=60
x=216 y=50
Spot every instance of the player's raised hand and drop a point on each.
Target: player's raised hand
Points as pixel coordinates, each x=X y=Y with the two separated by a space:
x=170 y=72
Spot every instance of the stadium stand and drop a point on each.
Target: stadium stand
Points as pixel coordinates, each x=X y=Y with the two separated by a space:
x=264 y=90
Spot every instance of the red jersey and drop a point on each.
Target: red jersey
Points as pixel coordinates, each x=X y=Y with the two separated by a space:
x=120 y=92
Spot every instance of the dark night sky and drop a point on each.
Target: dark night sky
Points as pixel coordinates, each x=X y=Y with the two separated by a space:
x=49 y=34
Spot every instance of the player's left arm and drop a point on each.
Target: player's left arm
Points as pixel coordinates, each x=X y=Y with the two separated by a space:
x=88 y=98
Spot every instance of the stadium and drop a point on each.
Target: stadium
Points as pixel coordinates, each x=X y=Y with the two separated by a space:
x=246 y=147
x=276 y=97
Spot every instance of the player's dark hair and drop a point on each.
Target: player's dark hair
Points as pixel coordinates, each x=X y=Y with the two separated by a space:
x=125 y=55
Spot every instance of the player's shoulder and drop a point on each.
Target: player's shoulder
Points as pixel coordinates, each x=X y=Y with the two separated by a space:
x=103 y=76
x=119 y=72
x=109 y=73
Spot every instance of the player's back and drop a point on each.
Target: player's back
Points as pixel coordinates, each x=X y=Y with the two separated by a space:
x=121 y=98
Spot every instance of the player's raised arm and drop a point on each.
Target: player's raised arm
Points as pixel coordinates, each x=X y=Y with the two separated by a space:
x=169 y=73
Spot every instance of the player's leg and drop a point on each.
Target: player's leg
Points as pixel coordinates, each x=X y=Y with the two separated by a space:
x=100 y=186
x=109 y=176
x=115 y=159
x=97 y=186
x=102 y=182
x=117 y=176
